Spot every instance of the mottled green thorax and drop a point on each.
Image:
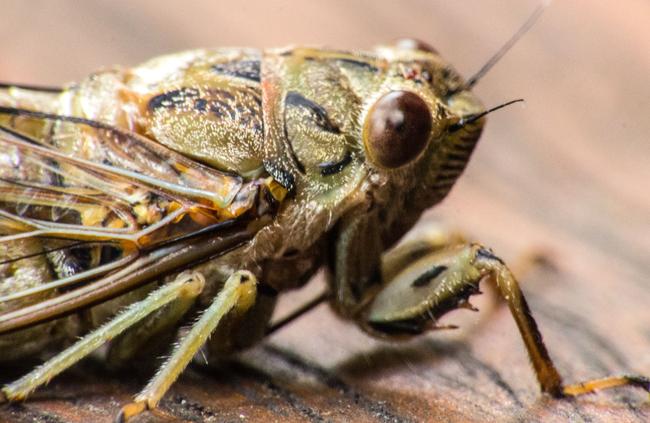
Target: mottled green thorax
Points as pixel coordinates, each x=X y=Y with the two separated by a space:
x=377 y=130
x=338 y=130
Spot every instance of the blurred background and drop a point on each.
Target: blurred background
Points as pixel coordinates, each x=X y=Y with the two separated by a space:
x=566 y=173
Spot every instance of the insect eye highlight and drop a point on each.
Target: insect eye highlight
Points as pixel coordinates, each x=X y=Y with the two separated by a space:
x=397 y=129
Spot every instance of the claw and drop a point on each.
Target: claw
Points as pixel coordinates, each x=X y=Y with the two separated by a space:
x=130 y=410
x=642 y=382
x=467 y=305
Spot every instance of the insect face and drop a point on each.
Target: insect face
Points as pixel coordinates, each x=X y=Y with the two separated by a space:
x=419 y=128
x=415 y=117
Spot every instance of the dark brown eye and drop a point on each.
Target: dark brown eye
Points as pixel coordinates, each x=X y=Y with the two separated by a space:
x=397 y=129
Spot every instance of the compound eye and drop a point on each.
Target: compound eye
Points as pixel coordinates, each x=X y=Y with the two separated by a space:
x=397 y=129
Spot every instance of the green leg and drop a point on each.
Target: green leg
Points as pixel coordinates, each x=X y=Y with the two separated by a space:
x=151 y=336
x=415 y=298
x=186 y=285
x=433 y=238
x=237 y=295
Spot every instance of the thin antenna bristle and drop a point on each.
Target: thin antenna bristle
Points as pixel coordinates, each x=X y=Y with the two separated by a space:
x=474 y=118
x=534 y=17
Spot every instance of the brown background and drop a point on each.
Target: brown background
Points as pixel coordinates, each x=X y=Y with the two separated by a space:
x=566 y=173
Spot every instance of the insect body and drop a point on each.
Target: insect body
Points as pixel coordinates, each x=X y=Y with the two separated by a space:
x=207 y=182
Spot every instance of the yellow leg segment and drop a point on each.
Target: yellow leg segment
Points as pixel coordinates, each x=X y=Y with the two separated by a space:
x=185 y=285
x=237 y=296
x=606 y=383
x=547 y=375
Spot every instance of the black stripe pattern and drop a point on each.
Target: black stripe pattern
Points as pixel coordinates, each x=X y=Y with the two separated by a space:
x=246 y=69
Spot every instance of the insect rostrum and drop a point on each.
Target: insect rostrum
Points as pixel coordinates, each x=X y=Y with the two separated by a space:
x=196 y=187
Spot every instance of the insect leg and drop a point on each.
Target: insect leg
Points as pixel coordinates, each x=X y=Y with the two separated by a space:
x=547 y=375
x=392 y=262
x=303 y=309
x=237 y=295
x=185 y=285
x=434 y=237
x=149 y=336
x=416 y=298
x=359 y=258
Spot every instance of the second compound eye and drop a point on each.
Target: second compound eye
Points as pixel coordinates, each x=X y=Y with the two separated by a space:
x=397 y=129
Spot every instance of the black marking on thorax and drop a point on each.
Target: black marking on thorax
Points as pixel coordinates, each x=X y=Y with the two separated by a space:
x=221 y=104
x=332 y=168
x=359 y=63
x=173 y=99
x=321 y=118
x=281 y=175
x=343 y=60
x=247 y=69
x=243 y=106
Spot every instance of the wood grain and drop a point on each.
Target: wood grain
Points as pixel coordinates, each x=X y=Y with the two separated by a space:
x=567 y=174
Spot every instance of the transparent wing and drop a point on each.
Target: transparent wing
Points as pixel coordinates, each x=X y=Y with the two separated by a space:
x=88 y=201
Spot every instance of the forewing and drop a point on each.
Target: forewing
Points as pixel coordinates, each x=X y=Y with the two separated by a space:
x=89 y=200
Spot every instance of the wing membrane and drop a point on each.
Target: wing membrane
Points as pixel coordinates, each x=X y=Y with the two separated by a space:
x=108 y=181
x=97 y=201
x=150 y=266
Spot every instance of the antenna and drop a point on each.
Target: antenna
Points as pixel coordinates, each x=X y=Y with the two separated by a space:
x=473 y=118
x=534 y=17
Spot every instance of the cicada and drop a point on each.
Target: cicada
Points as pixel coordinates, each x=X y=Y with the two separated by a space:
x=192 y=190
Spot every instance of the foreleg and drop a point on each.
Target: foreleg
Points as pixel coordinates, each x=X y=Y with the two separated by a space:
x=436 y=283
x=186 y=285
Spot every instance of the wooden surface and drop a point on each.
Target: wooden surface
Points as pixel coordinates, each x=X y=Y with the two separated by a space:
x=567 y=173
